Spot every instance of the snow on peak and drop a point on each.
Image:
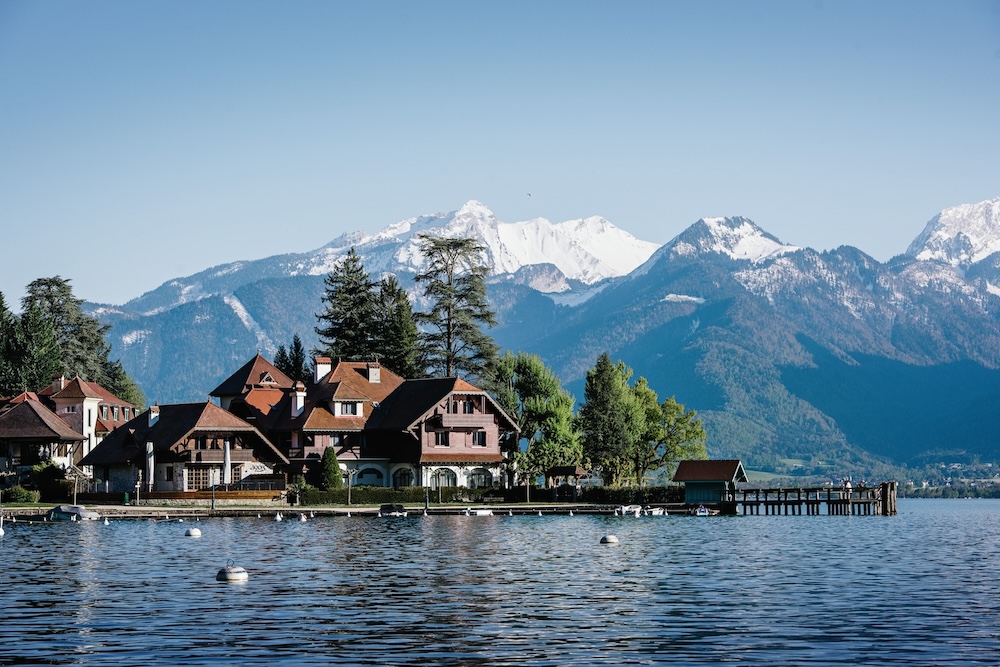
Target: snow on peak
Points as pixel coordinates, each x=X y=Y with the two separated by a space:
x=738 y=238
x=589 y=249
x=961 y=235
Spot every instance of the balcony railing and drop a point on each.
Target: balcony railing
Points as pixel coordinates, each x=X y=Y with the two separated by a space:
x=474 y=420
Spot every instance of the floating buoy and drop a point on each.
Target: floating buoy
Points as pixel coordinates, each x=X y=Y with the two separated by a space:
x=609 y=539
x=106 y=522
x=192 y=532
x=277 y=516
x=302 y=517
x=571 y=512
x=425 y=512
x=539 y=512
x=312 y=515
x=510 y=512
x=232 y=572
x=348 y=514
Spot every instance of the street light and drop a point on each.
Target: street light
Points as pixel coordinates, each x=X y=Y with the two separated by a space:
x=350 y=474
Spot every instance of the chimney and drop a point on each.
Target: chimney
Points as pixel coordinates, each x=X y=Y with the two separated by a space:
x=154 y=415
x=298 y=399
x=321 y=366
x=58 y=383
x=374 y=373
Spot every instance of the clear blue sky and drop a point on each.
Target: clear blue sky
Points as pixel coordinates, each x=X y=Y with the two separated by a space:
x=141 y=141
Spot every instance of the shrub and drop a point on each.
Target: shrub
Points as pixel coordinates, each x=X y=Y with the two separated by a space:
x=20 y=495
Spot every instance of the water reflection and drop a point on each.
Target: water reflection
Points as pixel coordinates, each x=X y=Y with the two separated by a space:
x=913 y=589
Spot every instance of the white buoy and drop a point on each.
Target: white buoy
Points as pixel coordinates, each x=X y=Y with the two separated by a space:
x=192 y=532
x=302 y=517
x=539 y=512
x=571 y=512
x=348 y=514
x=425 y=512
x=277 y=516
x=609 y=539
x=510 y=512
x=312 y=515
x=106 y=522
x=232 y=572
x=258 y=515
x=1 y=524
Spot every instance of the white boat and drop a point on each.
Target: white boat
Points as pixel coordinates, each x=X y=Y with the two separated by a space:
x=631 y=509
x=701 y=510
x=475 y=512
x=72 y=513
x=654 y=511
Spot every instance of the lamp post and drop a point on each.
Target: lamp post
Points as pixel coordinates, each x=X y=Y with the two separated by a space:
x=212 y=480
x=350 y=474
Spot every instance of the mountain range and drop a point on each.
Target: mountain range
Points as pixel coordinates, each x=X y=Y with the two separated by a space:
x=798 y=361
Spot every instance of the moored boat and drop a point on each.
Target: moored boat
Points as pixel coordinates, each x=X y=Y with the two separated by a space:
x=72 y=513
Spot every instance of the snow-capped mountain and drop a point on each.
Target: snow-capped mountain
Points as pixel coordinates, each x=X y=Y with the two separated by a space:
x=587 y=251
x=960 y=236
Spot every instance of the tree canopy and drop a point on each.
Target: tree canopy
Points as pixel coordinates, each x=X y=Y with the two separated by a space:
x=53 y=335
x=454 y=283
x=531 y=394
x=347 y=324
x=292 y=362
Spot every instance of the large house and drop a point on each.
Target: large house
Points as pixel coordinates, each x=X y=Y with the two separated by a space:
x=61 y=423
x=182 y=447
x=386 y=430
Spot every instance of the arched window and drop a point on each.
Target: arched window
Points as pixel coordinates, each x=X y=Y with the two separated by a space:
x=443 y=477
x=480 y=478
x=402 y=477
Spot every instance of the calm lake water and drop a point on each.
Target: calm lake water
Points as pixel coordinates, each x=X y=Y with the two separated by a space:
x=920 y=588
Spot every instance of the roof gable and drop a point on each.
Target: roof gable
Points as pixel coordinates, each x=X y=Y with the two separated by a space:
x=258 y=372
x=29 y=419
x=710 y=471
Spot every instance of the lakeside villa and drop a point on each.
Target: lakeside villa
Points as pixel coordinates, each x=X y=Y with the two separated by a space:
x=386 y=431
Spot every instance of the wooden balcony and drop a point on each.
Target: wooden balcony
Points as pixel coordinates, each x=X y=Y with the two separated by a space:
x=474 y=420
x=217 y=456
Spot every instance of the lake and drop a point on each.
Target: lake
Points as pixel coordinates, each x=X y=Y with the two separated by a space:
x=919 y=588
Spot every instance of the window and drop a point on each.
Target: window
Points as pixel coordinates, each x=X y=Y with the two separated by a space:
x=468 y=407
x=480 y=478
x=479 y=438
x=170 y=473
x=126 y=414
x=452 y=407
x=114 y=413
x=402 y=477
x=442 y=438
x=104 y=412
x=443 y=477
x=71 y=409
x=348 y=408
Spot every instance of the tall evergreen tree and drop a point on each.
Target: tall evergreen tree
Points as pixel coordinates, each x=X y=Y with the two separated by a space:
x=347 y=324
x=611 y=419
x=292 y=362
x=31 y=352
x=81 y=338
x=455 y=285
x=397 y=332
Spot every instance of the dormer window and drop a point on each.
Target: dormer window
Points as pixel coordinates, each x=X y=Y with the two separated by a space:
x=348 y=408
x=104 y=412
x=71 y=409
x=114 y=413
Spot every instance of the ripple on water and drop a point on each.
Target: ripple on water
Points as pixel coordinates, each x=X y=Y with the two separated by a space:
x=918 y=588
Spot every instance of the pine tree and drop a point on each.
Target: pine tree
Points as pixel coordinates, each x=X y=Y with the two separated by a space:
x=455 y=284
x=33 y=355
x=348 y=321
x=398 y=336
x=281 y=361
x=610 y=419
x=297 y=369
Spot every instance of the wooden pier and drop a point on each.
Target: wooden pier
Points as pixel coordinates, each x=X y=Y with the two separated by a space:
x=838 y=501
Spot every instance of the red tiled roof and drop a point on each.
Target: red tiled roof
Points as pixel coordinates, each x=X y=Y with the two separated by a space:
x=251 y=374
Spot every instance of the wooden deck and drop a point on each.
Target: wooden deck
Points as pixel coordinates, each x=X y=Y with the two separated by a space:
x=876 y=500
